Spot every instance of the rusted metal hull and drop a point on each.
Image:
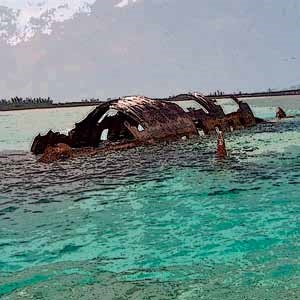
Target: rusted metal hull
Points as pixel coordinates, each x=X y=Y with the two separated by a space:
x=140 y=120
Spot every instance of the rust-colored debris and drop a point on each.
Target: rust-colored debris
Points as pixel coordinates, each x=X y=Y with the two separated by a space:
x=64 y=151
x=132 y=121
x=280 y=113
x=221 y=146
x=58 y=152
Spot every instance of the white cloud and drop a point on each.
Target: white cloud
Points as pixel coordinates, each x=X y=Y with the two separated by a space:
x=27 y=17
x=27 y=10
x=124 y=3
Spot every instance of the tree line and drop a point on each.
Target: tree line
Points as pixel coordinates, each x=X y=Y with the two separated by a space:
x=25 y=101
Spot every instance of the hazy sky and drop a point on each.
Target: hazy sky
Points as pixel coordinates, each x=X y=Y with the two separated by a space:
x=160 y=47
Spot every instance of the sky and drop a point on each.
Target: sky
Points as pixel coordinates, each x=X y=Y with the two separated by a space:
x=153 y=47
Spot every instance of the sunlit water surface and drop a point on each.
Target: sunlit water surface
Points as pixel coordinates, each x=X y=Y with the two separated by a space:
x=162 y=222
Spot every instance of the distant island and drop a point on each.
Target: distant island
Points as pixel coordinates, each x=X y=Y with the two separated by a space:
x=19 y=103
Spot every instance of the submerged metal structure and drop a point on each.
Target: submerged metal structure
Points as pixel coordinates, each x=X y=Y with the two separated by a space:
x=136 y=120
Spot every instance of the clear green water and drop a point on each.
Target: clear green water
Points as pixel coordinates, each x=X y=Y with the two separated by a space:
x=163 y=222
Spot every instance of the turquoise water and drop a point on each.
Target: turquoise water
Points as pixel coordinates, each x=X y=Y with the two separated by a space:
x=162 y=222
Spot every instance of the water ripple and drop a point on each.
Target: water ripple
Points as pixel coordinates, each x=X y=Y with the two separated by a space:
x=160 y=213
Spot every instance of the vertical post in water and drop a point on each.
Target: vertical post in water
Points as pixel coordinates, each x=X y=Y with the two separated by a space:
x=221 y=146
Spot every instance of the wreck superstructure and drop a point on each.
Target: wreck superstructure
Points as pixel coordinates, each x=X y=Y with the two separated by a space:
x=143 y=120
x=128 y=118
x=208 y=115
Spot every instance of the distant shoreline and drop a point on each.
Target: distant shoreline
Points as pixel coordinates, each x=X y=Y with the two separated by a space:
x=258 y=94
x=47 y=106
x=80 y=104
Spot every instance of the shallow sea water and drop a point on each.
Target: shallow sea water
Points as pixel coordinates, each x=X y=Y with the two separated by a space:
x=162 y=222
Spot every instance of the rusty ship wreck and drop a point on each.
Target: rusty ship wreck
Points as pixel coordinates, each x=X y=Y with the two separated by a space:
x=131 y=121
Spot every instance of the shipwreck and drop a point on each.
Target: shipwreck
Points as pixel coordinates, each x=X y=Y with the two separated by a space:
x=138 y=120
